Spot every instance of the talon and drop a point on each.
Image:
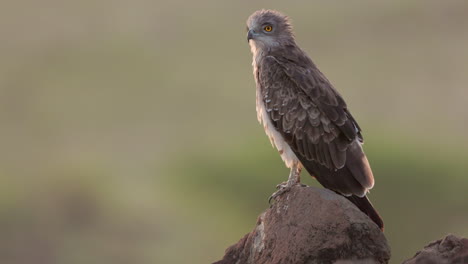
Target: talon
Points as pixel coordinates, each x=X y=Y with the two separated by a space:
x=282 y=188
x=281 y=185
x=294 y=179
x=269 y=200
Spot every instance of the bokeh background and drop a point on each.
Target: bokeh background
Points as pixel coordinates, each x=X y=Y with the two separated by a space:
x=129 y=133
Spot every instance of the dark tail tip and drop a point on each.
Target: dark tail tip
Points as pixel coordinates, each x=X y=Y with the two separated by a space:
x=366 y=207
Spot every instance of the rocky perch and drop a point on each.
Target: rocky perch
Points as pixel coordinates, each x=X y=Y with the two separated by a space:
x=311 y=225
x=449 y=250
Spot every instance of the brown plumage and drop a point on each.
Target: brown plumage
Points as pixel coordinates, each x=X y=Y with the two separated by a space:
x=304 y=115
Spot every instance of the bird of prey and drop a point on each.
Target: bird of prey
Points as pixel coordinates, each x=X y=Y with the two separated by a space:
x=304 y=116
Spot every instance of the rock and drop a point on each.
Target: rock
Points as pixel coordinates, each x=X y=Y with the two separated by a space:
x=449 y=250
x=311 y=225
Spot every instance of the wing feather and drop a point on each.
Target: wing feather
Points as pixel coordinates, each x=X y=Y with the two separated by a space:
x=314 y=120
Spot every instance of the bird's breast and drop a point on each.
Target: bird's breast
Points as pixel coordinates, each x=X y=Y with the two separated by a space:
x=276 y=139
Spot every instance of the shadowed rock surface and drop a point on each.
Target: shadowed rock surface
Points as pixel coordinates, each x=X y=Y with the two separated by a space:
x=311 y=225
x=449 y=250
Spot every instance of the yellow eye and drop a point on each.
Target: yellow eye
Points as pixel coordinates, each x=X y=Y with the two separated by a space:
x=268 y=28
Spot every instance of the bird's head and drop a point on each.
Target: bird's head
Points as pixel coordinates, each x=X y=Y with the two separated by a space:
x=269 y=28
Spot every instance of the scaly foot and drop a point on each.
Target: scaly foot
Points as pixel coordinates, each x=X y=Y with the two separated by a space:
x=294 y=179
x=282 y=188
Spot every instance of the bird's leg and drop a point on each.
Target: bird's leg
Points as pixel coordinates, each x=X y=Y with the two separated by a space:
x=294 y=179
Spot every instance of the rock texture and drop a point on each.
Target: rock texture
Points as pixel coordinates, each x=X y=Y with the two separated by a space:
x=449 y=250
x=311 y=225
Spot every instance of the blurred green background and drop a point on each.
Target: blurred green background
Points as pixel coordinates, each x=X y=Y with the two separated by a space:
x=129 y=132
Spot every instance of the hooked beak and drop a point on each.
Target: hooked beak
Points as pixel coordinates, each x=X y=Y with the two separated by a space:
x=250 y=35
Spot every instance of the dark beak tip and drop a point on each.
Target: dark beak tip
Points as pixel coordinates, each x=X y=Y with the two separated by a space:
x=249 y=36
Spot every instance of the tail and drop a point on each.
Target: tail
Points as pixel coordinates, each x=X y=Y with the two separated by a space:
x=352 y=181
x=366 y=207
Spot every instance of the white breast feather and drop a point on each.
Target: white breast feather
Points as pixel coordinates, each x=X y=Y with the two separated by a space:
x=275 y=137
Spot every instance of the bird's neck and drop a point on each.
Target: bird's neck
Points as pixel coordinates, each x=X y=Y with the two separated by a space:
x=257 y=52
x=258 y=48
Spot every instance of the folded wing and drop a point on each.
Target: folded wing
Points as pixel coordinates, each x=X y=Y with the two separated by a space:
x=314 y=120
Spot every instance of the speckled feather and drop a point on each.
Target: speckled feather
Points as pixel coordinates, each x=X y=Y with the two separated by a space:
x=311 y=115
